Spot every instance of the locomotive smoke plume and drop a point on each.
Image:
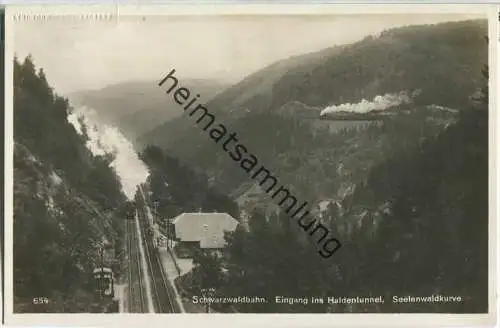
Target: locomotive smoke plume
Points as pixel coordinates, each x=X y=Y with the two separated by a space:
x=379 y=103
x=105 y=139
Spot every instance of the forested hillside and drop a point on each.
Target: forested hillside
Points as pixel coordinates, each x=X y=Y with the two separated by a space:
x=65 y=201
x=269 y=110
x=408 y=197
x=177 y=188
x=442 y=60
x=417 y=226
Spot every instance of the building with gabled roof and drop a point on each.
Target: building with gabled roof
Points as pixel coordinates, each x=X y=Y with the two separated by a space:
x=206 y=230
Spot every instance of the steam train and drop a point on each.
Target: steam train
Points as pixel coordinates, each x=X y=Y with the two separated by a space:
x=151 y=229
x=129 y=210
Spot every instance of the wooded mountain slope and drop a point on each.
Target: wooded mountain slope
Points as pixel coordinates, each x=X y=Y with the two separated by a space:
x=416 y=225
x=65 y=202
x=443 y=61
x=409 y=195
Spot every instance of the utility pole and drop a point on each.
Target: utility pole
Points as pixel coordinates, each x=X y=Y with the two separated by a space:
x=101 y=249
x=167 y=229
x=100 y=280
x=203 y=280
x=171 y=233
x=155 y=223
x=155 y=204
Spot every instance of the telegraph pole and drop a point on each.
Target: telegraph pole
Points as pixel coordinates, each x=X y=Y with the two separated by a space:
x=100 y=281
x=170 y=233
x=154 y=224
x=155 y=204
x=167 y=229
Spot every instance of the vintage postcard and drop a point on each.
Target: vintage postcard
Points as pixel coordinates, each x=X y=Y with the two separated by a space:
x=326 y=163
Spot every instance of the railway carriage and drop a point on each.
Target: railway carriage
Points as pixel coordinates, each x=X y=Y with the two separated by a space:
x=104 y=282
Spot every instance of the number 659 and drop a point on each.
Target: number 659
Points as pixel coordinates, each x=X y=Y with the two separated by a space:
x=40 y=300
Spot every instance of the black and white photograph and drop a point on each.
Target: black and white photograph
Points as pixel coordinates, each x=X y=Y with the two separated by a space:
x=251 y=163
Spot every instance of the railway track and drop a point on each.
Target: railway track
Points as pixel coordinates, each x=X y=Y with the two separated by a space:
x=136 y=297
x=163 y=294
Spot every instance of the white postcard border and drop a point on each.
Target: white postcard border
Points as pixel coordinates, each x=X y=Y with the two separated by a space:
x=250 y=320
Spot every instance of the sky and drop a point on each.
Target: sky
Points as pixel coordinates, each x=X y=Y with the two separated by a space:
x=78 y=55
